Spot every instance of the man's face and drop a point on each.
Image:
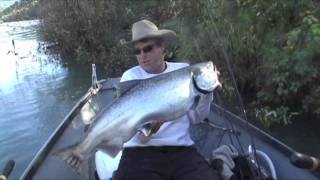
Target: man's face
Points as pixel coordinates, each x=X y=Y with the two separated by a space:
x=150 y=56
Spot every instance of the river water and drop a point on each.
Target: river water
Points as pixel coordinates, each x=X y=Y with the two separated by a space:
x=36 y=92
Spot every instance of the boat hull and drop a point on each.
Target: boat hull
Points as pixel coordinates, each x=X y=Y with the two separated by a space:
x=207 y=138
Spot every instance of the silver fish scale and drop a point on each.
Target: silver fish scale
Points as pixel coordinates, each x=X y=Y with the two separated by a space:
x=166 y=97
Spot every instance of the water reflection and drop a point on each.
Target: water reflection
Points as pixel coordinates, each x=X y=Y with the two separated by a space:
x=36 y=92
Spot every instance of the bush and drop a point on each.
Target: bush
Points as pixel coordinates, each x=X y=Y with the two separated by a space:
x=272 y=45
x=89 y=31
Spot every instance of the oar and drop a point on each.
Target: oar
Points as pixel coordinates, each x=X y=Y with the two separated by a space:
x=7 y=170
x=305 y=162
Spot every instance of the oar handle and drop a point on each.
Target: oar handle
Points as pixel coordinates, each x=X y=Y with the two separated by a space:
x=305 y=162
x=7 y=170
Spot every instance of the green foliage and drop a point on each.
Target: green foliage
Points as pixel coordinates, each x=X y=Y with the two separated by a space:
x=268 y=116
x=293 y=64
x=273 y=46
x=87 y=31
x=274 y=51
x=90 y=31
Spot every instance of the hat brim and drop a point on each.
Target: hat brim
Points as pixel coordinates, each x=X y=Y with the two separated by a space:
x=169 y=37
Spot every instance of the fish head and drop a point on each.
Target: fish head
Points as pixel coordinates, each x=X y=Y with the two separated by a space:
x=205 y=77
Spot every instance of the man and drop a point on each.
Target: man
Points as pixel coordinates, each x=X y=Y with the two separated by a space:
x=168 y=153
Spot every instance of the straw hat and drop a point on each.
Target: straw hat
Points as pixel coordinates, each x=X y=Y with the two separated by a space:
x=145 y=29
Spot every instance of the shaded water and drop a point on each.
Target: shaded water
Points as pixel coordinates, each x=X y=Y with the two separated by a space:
x=36 y=92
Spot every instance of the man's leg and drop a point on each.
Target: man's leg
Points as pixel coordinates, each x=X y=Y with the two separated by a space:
x=140 y=164
x=190 y=165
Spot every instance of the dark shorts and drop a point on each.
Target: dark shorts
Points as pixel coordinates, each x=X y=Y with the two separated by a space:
x=163 y=163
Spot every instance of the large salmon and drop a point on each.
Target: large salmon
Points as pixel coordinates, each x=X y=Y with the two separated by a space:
x=167 y=96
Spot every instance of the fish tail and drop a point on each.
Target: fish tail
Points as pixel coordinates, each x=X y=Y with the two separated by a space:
x=74 y=160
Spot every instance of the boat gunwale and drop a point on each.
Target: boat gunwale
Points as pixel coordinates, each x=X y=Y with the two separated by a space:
x=55 y=135
x=257 y=131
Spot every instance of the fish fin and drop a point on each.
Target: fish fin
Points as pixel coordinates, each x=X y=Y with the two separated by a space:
x=88 y=114
x=145 y=129
x=76 y=162
x=112 y=148
x=195 y=102
x=125 y=86
x=89 y=111
x=151 y=127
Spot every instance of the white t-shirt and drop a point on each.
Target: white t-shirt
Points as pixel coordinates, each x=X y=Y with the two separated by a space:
x=172 y=133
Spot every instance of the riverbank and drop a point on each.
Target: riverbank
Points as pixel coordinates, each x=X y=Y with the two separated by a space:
x=15 y=10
